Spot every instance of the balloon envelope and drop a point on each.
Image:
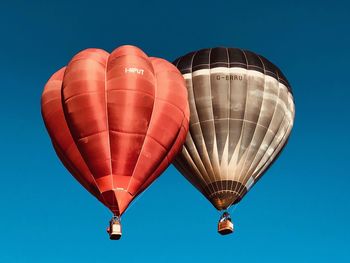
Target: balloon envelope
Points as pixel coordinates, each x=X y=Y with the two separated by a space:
x=116 y=120
x=242 y=113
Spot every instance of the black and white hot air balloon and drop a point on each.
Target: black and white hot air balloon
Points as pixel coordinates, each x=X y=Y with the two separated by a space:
x=241 y=115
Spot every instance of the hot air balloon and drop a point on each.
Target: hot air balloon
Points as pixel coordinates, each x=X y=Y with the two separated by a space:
x=116 y=121
x=241 y=114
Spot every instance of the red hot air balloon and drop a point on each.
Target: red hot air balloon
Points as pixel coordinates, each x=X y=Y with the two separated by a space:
x=116 y=122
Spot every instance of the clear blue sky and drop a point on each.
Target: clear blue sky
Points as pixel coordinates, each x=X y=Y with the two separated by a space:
x=299 y=212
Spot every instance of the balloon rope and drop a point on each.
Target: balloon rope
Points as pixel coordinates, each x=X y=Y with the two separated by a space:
x=135 y=200
x=235 y=207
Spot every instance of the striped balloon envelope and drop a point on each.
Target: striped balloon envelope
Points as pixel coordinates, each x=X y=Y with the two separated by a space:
x=116 y=121
x=241 y=114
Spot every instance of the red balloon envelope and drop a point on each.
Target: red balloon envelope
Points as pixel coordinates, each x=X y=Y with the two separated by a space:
x=116 y=120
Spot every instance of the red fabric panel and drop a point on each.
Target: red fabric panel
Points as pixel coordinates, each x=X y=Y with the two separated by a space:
x=172 y=94
x=62 y=140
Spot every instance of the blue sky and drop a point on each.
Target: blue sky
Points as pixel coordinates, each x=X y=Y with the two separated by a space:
x=299 y=211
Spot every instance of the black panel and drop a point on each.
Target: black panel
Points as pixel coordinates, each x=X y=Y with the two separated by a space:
x=254 y=62
x=201 y=60
x=218 y=55
x=236 y=58
x=176 y=61
x=270 y=69
x=282 y=78
x=184 y=64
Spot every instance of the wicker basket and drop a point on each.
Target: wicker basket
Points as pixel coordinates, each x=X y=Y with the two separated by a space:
x=225 y=227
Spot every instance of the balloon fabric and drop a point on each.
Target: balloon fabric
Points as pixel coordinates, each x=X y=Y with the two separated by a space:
x=116 y=121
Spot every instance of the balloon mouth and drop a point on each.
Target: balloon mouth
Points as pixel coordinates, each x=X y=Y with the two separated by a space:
x=224 y=199
x=222 y=194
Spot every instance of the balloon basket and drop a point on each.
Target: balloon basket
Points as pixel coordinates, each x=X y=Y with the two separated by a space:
x=225 y=225
x=115 y=229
